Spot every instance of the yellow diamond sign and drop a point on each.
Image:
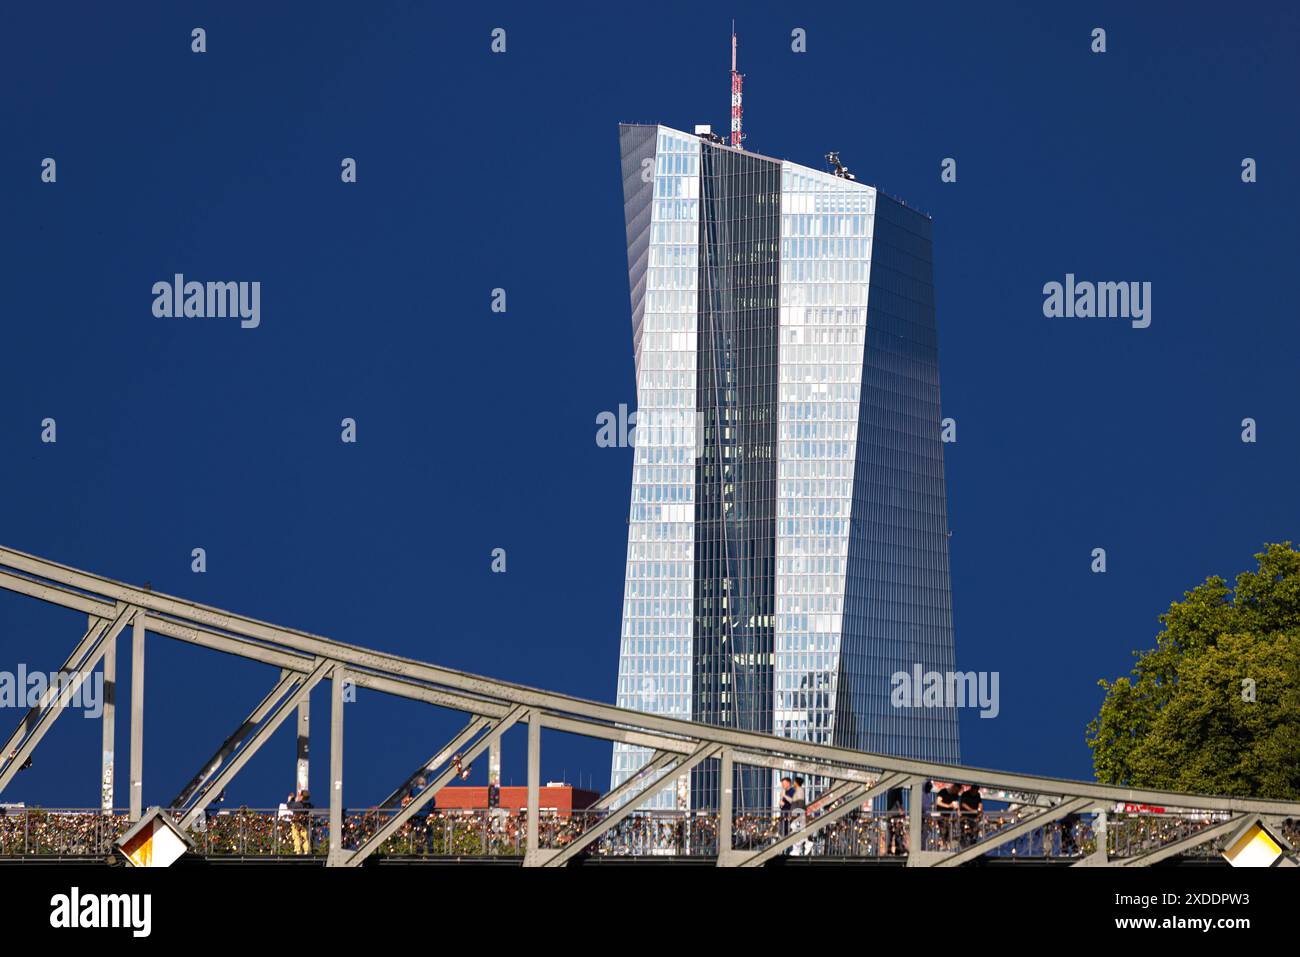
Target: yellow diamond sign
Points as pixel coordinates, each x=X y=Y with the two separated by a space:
x=157 y=841
x=1254 y=846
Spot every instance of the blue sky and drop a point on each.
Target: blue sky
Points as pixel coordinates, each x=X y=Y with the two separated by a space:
x=476 y=430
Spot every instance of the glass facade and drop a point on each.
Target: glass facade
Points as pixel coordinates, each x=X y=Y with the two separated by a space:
x=898 y=601
x=735 y=472
x=661 y=178
x=787 y=542
x=825 y=260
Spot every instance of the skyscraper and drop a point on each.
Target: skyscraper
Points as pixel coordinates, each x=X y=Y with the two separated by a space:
x=787 y=537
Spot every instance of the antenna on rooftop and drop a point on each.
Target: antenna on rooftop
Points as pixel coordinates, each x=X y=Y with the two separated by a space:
x=839 y=169
x=736 y=96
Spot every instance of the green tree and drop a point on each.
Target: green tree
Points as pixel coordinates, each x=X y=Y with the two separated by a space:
x=1215 y=706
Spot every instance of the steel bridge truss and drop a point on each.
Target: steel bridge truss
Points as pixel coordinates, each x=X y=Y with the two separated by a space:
x=494 y=707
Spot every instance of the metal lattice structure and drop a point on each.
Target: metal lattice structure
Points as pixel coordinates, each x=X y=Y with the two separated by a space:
x=494 y=707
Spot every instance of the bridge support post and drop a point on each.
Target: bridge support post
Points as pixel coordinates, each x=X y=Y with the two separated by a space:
x=336 y=855
x=915 y=821
x=109 y=728
x=534 y=854
x=1102 y=853
x=726 y=801
x=494 y=764
x=728 y=856
x=302 y=771
x=534 y=782
x=137 y=716
x=1100 y=857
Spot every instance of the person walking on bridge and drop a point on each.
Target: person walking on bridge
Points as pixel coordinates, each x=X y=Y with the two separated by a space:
x=971 y=805
x=946 y=804
x=301 y=810
x=798 y=812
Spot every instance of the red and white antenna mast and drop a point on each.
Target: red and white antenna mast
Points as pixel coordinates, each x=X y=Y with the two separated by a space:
x=736 y=80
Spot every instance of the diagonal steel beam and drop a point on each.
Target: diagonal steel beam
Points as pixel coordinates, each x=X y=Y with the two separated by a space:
x=853 y=795
x=286 y=707
x=231 y=744
x=467 y=733
x=1007 y=834
x=834 y=795
x=679 y=767
x=390 y=827
x=79 y=665
x=641 y=777
x=1185 y=844
x=94 y=629
x=791 y=766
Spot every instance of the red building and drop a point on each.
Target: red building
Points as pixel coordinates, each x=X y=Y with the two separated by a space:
x=561 y=798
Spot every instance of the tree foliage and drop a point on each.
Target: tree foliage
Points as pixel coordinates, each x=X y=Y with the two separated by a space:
x=1215 y=706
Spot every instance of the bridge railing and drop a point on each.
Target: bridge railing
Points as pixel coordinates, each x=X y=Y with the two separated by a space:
x=60 y=832
x=273 y=832
x=1131 y=835
x=862 y=834
x=68 y=833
